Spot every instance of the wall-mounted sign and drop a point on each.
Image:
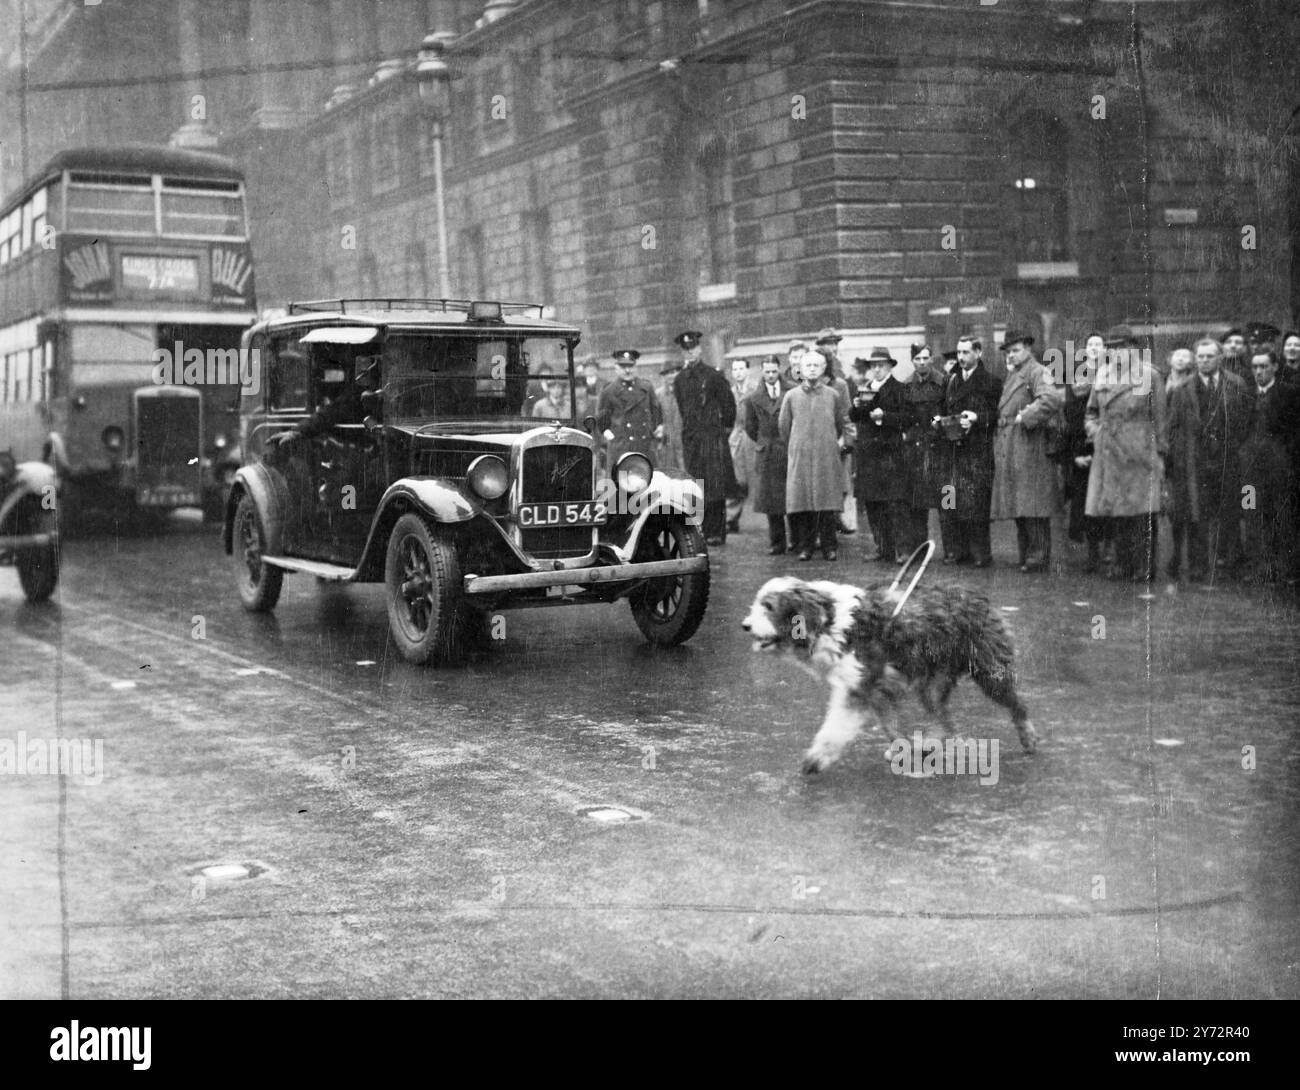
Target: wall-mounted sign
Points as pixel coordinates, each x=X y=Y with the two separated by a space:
x=1181 y=217
x=146 y=273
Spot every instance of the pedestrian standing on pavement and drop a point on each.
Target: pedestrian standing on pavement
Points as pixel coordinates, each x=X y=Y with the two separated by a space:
x=1289 y=372
x=792 y=372
x=1235 y=359
x=1126 y=421
x=628 y=415
x=882 y=414
x=670 y=446
x=970 y=413
x=708 y=415
x=828 y=344
x=813 y=422
x=1209 y=420
x=1267 y=467
x=761 y=414
x=1024 y=475
x=1077 y=453
x=742 y=447
x=925 y=452
x=1182 y=369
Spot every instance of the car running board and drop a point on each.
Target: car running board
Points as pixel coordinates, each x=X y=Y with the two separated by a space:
x=334 y=573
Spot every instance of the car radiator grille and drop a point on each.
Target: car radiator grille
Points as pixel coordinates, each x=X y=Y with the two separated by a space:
x=554 y=473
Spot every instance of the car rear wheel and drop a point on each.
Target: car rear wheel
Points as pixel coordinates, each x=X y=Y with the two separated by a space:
x=38 y=565
x=259 y=583
x=426 y=611
x=670 y=609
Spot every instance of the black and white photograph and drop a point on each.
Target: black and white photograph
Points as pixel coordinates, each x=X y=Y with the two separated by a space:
x=686 y=499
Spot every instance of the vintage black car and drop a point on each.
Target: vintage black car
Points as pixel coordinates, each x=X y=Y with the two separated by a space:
x=29 y=529
x=431 y=445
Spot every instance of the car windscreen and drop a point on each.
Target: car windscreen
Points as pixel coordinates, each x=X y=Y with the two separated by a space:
x=482 y=377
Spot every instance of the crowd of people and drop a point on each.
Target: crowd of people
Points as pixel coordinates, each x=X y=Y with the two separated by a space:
x=1209 y=442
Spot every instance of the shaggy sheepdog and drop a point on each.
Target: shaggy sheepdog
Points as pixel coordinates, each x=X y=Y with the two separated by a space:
x=871 y=658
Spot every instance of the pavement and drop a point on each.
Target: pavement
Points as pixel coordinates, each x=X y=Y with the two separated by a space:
x=284 y=808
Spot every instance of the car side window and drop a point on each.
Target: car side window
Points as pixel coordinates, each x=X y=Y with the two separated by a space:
x=286 y=375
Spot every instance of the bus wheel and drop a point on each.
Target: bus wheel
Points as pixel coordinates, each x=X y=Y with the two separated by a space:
x=259 y=583
x=422 y=577
x=38 y=567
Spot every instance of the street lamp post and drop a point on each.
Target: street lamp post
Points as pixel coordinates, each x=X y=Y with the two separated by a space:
x=433 y=76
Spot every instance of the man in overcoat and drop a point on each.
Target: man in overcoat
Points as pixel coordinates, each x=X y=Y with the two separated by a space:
x=761 y=416
x=1024 y=474
x=970 y=405
x=882 y=414
x=708 y=414
x=1209 y=419
x=742 y=449
x=628 y=415
x=926 y=453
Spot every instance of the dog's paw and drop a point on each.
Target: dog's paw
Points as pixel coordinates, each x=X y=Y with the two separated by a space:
x=812 y=765
x=1029 y=738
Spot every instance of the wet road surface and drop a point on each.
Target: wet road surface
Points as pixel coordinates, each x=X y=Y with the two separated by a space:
x=425 y=832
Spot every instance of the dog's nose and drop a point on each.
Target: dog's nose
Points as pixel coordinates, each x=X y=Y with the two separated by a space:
x=744 y=625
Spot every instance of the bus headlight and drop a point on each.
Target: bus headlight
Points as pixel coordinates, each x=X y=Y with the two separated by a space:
x=113 y=438
x=633 y=473
x=488 y=477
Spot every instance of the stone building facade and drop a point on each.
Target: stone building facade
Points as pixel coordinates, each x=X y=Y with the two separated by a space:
x=745 y=167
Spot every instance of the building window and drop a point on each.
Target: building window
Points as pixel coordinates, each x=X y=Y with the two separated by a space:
x=385 y=154
x=338 y=170
x=537 y=253
x=415 y=282
x=1036 y=197
x=719 y=260
x=471 y=262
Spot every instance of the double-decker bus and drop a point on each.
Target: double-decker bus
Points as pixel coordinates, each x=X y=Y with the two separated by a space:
x=126 y=279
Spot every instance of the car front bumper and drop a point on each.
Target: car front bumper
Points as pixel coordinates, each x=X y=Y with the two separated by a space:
x=606 y=573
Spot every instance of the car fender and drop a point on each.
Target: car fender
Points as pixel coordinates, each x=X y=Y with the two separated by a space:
x=267 y=488
x=671 y=492
x=436 y=498
x=30 y=479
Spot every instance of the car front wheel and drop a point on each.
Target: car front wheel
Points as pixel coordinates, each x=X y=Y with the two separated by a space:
x=259 y=583
x=425 y=602
x=669 y=610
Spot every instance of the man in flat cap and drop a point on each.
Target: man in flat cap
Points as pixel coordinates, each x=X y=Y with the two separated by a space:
x=628 y=415
x=708 y=415
x=1024 y=475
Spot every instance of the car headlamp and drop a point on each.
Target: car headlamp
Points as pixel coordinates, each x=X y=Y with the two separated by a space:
x=633 y=473
x=488 y=477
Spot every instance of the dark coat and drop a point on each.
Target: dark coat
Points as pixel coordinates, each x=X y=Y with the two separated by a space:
x=1024 y=477
x=929 y=457
x=1130 y=441
x=761 y=416
x=670 y=446
x=708 y=414
x=1268 y=457
x=811 y=423
x=1205 y=445
x=972 y=458
x=881 y=454
x=632 y=413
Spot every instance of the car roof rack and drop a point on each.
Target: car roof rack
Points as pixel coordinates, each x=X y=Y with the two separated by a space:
x=344 y=306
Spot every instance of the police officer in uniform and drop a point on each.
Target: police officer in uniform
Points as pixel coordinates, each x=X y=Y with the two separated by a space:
x=628 y=414
x=708 y=415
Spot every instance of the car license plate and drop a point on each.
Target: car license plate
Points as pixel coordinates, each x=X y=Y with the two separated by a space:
x=166 y=497
x=569 y=513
